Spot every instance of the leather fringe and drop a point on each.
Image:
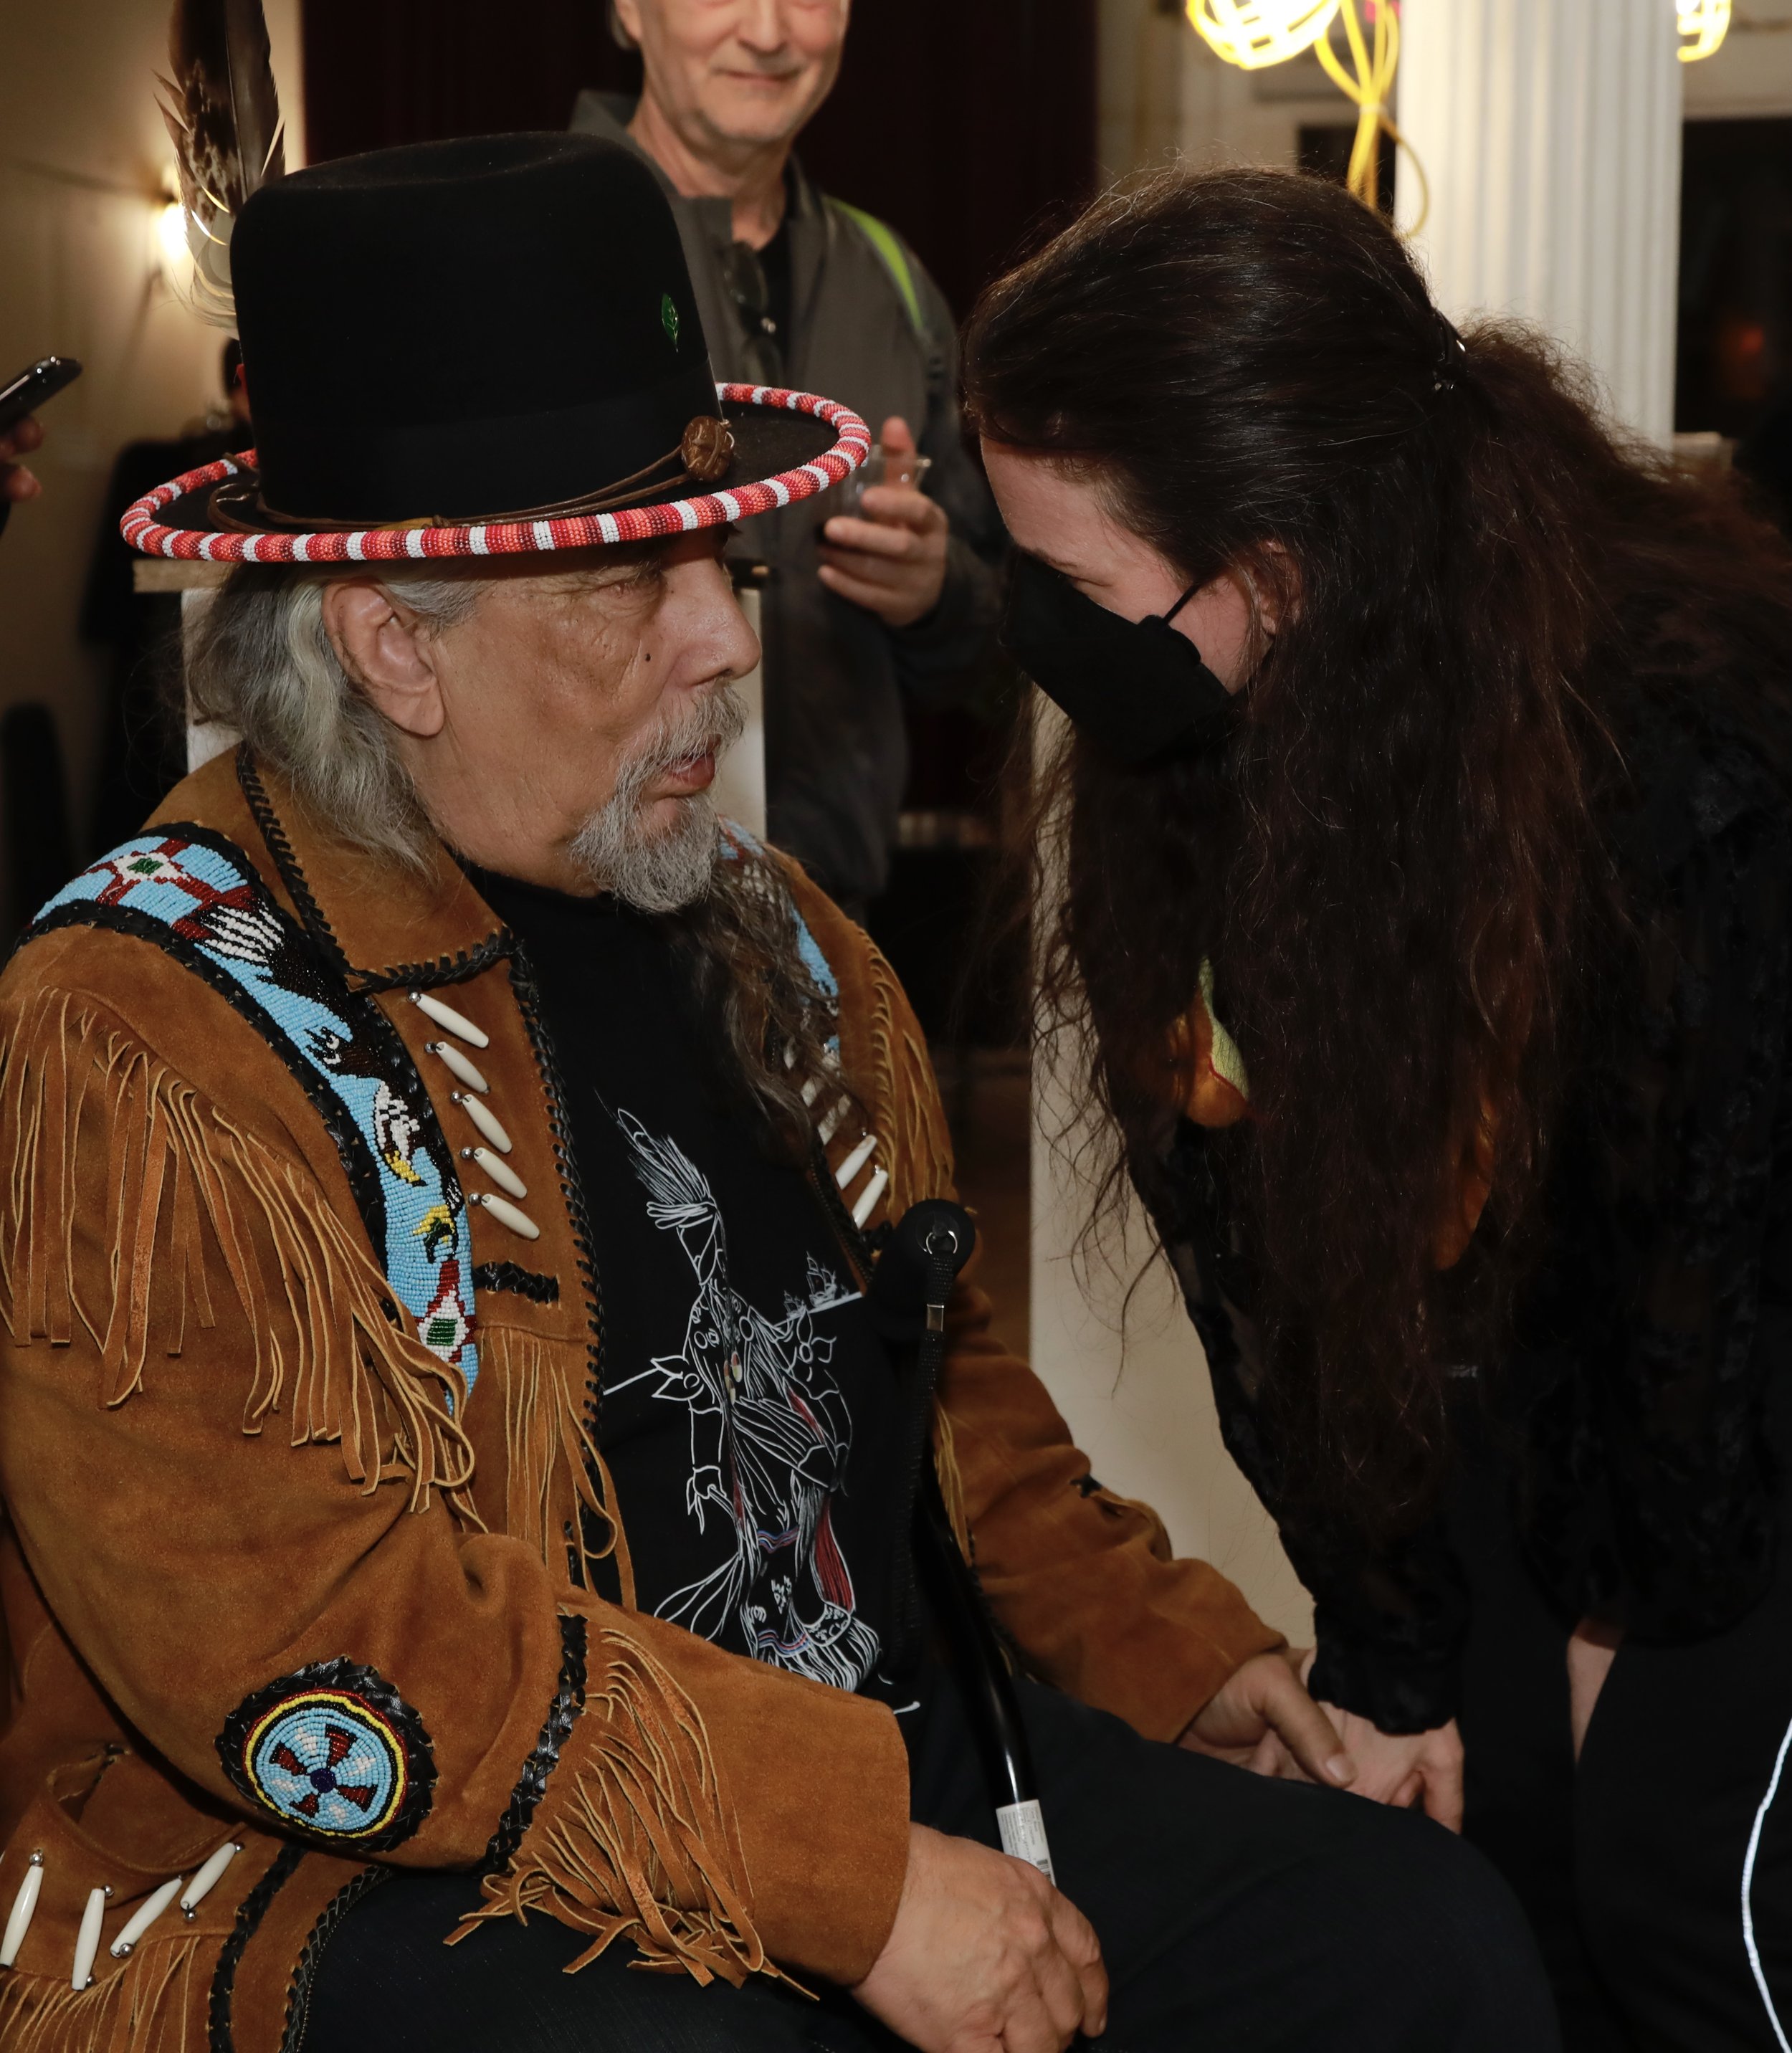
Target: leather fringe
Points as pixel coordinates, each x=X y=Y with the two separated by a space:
x=550 y=1458
x=637 y=1842
x=189 y=1195
x=155 y=2003
x=906 y=1097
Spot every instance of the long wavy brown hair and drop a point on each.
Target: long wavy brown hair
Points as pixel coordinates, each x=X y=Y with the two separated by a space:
x=1398 y=869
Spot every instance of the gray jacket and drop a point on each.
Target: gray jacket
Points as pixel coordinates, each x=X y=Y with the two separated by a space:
x=837 y=751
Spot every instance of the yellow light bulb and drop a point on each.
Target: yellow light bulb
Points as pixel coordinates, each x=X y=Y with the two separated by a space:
x=1703 y=24
x=170 y=232
x=1253 y=33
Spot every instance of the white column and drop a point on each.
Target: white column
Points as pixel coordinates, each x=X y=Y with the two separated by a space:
x=1549 y=131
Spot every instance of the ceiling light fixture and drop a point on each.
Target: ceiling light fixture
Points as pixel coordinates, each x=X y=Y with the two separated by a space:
x=1703 y=24
x=1254 y=33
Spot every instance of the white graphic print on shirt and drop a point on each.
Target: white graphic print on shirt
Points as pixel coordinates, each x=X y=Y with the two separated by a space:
x=770 y=1436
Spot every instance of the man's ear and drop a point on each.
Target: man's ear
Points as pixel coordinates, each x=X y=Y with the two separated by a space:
x=380 y=643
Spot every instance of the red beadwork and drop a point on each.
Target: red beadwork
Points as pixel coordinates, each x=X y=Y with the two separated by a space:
x=633 y=524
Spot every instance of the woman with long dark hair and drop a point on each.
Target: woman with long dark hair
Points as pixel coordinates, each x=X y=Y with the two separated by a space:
x=1424 y=838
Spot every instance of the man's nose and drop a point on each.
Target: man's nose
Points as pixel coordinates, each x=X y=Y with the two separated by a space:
x=730 y=642
x=743 y=644
x=762 y=27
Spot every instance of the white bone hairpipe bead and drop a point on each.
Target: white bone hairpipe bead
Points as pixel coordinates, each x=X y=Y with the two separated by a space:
x=498 y=1169
x=86 y=1942
x=828 y=1125
x=445 y=1015
x=502 y=1210
x=458 y=1064
x=144 y=1916
x=18 y=1920
x=203 y=1883
x=855 y=1161
x=483 y=1116
x=868 y=1197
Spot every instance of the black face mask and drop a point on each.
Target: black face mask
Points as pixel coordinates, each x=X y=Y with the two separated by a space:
x=1136 y=688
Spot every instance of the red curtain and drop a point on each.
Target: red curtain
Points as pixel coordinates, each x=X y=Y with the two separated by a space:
x=969 y=124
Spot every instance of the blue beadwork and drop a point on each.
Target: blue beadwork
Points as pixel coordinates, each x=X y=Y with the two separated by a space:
x=327 y=1763
x=816 y=963
x=333 y=1751
x=209 y=895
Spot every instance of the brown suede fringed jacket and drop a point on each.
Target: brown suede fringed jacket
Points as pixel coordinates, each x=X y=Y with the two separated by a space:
x=275 y=1581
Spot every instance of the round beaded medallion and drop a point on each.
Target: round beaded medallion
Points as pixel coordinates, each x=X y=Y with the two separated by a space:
x=325 y=1761
x=332 y=1750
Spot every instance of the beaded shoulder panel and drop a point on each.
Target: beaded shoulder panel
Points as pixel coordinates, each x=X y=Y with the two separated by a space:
x=197 y=896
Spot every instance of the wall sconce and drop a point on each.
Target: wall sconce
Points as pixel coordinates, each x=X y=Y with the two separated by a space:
x=1703 y=24
x=171 y=236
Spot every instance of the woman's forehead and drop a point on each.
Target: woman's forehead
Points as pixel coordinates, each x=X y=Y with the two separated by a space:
x=1054 y=510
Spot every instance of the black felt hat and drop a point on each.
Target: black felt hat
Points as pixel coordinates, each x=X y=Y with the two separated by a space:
x=449 y=342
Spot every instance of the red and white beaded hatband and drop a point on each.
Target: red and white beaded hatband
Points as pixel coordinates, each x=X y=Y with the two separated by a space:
x=505 y=538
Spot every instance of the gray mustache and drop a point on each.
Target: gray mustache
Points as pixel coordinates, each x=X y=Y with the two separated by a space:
x=707 y=728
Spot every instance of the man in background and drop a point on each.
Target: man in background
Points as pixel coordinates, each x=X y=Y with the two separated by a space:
x=796 y=288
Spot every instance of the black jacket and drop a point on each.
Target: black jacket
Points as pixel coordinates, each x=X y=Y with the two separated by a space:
x=1634 y=1398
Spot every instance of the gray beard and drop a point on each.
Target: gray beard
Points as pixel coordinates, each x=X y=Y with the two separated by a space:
x=660 y=871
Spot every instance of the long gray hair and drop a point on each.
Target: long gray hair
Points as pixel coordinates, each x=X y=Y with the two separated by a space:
x=261 y=662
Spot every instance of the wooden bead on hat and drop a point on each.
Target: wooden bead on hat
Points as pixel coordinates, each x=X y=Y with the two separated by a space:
x=707 y=448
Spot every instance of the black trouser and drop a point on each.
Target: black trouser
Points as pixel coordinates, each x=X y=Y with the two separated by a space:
x=1632 y=1867
x=1233 y=1912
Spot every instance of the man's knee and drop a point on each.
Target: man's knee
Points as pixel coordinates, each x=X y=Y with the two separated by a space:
x=1429 y=1934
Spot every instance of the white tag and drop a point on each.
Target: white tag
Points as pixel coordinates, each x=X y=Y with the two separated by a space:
x=1022 y=1826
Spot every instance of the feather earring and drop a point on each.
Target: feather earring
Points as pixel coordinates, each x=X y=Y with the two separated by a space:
x=223 y=113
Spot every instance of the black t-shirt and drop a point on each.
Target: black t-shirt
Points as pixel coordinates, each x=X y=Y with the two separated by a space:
x=745 y=1396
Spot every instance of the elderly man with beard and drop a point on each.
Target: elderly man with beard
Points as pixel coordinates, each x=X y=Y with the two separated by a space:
x=457 y=1488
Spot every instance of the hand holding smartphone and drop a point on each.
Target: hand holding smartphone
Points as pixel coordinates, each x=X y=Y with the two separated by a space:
x=19 y=434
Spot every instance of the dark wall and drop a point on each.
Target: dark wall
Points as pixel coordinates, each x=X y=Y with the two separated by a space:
x=969 y=124
x=380 y=72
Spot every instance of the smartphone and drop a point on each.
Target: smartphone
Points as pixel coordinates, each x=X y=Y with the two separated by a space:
x=27 y=392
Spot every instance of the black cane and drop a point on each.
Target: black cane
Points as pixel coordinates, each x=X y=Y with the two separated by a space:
x=931 y=1242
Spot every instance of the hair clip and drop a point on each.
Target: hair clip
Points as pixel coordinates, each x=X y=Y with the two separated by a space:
x=1451 y=348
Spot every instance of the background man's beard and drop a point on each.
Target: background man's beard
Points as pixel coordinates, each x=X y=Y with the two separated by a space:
x=660 y=870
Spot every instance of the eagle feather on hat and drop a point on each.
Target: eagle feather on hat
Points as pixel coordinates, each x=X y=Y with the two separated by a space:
x=223 y=112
